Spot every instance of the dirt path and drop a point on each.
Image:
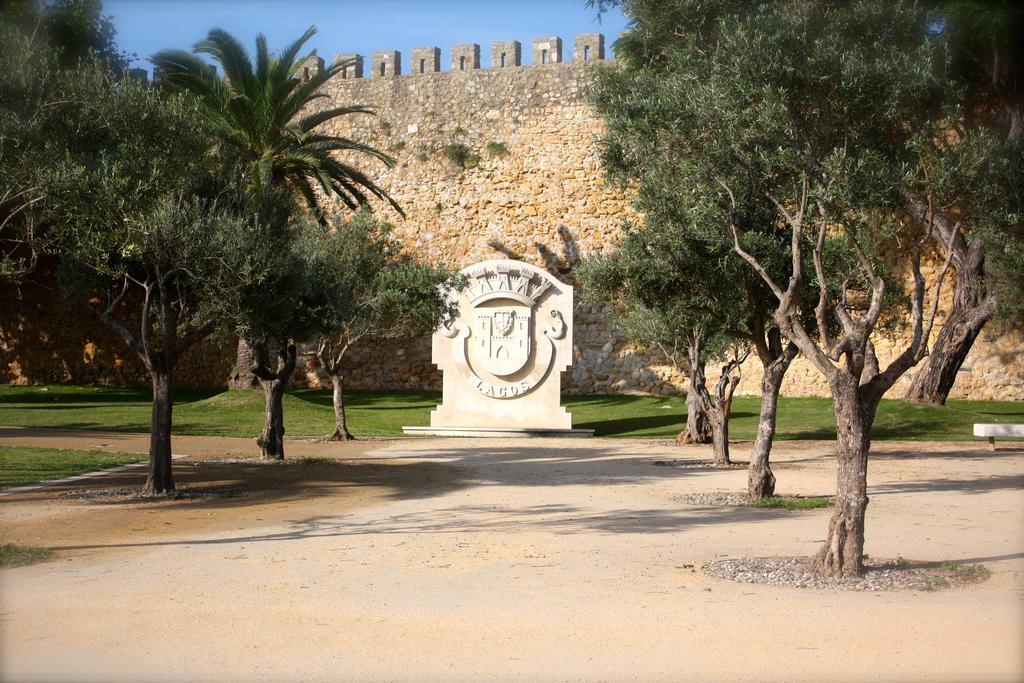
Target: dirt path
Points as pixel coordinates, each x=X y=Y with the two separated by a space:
x=503 y=559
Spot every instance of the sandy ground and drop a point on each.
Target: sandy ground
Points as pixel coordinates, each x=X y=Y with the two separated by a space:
x=501 y=559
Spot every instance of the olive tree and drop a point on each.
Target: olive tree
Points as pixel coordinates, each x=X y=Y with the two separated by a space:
x=966 y=182
x=360 y=288
x=662 y=297
x=144 y=226
x=48 y=52
x=810 y=110
x=681 y=236
x=271 y=315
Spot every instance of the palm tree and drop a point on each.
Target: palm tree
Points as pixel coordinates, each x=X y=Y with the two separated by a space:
x=267 y=132
x=266 y=129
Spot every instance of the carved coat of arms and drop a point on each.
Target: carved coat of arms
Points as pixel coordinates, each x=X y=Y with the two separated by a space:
x=503 y=351
x=502 y=341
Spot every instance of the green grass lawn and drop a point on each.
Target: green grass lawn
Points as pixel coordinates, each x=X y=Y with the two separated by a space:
x=216 y=412
x=22 y=465
x=12 y=555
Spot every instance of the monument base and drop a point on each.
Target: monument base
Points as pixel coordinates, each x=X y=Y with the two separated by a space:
x=494 y=432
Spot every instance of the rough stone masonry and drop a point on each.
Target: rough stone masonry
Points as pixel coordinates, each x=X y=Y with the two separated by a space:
x=495 y=160
x=503 y=162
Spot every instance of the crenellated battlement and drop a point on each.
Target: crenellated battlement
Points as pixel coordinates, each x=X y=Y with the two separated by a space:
x=546 y=51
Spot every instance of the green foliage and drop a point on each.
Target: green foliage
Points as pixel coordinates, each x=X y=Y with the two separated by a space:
x=312 y=460
x=56 y=61
x=766 y=118
x=497 y=150
x=73 y=31
x=131 y=209
x=793 y=502
x=460 y=154
x=357 y=284
x=987 y=57
x=676 y=274
x=12 y=555
x=658 y=318
x=266 y=125
x=268 y=304
x=977 y=180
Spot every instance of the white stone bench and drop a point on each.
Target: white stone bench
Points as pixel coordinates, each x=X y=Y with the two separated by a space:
x=994 y=430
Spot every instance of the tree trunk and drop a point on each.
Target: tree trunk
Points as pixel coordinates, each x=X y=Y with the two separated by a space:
x=698 y=424
x=760 y=478
x=719 y=418
x=159 y=478
x=271 y=441
x=274 y=382
x=341 y=432
x=242 y=376
x=934 y=380
x=973 y=306
x=842 y=555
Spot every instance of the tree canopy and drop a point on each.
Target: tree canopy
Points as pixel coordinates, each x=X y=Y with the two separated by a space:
x=56 y=62
x=362 y=288
x=268 y=134
x=820 y=117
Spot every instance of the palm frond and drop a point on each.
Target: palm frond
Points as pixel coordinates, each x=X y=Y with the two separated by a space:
x=302 y=184
x=231 y=55
x=265 y=123
x=352 y=175
x=286 y=62
x=299 y=98
x=189 y=73
x=263 y=60
x=331 y=143
x=308 y=123
x=337 y=66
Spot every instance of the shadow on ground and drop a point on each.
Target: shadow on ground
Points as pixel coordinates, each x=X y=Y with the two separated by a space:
x=210 y=485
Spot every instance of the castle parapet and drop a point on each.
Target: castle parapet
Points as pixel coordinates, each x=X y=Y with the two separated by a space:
x=547 y=50
x=588 y=47
x=425 y=60
x=465 y=56
x=386 y=64
x=353 y=65
x=506 y=53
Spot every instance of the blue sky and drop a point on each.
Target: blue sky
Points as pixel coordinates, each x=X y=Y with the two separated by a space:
x=145 y=26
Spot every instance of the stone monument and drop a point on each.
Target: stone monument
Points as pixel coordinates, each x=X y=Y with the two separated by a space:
x=503 y=355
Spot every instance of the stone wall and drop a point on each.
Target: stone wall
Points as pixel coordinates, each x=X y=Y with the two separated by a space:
x=496 y=162
x=504 y=162
x=48 y=338
x=493 y=163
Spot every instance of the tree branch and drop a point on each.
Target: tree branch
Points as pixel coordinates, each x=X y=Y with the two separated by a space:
x=194 y=337
x=123 y=330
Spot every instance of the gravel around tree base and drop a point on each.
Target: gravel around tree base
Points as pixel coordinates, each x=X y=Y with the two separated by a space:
x=698 y=465
x=717 y=499
x=127 y=494
x=713 y=499
x=880 y=575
